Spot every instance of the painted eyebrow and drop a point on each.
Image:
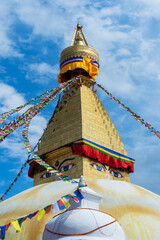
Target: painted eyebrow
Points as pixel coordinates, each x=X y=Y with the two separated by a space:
x=68 y=159
x=59 y=165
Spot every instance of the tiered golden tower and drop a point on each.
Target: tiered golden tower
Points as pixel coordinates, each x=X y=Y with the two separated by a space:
x=78 y=115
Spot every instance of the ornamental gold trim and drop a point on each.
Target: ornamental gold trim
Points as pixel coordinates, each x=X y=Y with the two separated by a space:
x=79 y=51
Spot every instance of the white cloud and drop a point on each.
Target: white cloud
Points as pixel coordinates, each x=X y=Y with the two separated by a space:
x=55 y=21
x=37 y=126
x=9 y=98
x=12 y=146
x=123 y=52
x=44 y=19
x=2 y=183
x=44 y=68
x=7 y=46
x=148 y=8
x=42 y=72
x=145 y=150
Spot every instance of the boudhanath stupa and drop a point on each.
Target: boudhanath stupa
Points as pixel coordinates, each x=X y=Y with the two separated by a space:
x=81 y=141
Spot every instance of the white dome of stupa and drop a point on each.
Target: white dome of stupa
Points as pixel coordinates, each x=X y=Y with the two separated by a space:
x=84 y=221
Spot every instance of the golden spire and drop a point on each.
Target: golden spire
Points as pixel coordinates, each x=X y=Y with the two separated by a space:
x=78 y=56
x=78 y=37
x=79 y=47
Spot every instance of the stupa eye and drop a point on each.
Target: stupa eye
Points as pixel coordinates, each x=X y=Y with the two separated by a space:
x=116 y=174
x=67 y=167
x=97 y=167
x=46 y=175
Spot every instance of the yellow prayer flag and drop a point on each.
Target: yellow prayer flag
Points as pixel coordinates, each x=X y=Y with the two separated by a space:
x=40 y=215
x=66 y=204
x=16 y=225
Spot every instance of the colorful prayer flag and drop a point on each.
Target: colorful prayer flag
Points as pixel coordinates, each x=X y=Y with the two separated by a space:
x=66 y=202
x=30 y=216
x=61 y=205
x=41 y=213
x=16 y=225
x=7 y=226
x=78 y=197
x=55 y=208
x=48 y=209
x=3 y=232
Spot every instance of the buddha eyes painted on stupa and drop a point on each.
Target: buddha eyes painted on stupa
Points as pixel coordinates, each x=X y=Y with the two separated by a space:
x=98 y=168
x=67 y=167
x=46 y=175
x=94 y=168
x=59 y=166
x=116 y=173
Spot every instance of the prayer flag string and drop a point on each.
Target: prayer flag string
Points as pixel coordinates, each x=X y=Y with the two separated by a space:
x=5 y=115
x=62 y=204
x=18 y=175
x=16 y=123
x=37 y=159
x=15 y=180
x=32 y=111
x=34 y=156
x=138 y=118
x=26 y=117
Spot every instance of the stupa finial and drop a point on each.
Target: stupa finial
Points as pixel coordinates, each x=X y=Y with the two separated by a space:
x=78 y=36
x=78 y=58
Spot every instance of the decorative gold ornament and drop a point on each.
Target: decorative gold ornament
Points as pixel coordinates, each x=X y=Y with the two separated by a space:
x=79 y=47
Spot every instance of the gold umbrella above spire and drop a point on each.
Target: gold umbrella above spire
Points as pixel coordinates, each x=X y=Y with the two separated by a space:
x=78 y=58
x=78 y=37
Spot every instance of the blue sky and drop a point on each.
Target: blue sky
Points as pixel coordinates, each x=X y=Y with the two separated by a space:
x=127 y=36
